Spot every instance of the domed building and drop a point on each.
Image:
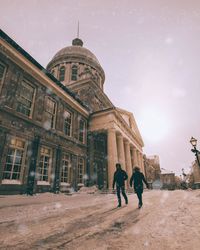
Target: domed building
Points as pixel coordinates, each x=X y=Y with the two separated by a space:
x=113 y=135
x=78 y=68
x=75 y=63
x=59 y=130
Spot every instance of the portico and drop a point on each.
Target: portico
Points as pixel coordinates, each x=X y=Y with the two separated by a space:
x=124 y=142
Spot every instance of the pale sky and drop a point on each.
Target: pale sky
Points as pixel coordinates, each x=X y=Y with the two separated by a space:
x=149 y=50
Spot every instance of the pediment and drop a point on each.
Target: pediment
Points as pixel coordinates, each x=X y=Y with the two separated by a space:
x=130 y=121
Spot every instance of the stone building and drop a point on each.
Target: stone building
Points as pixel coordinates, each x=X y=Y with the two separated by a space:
x=194 y=179
x=168 y=180
x=152 y=169
x=58 y=129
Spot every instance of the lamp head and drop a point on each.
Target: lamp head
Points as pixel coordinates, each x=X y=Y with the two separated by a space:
x=193 y=141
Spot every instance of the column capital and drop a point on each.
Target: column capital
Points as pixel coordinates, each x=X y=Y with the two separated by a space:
x=127 y=142
x=120 y=136
x=111 y=130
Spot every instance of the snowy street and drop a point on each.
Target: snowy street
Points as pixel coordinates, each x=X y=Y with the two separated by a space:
x=168 y=220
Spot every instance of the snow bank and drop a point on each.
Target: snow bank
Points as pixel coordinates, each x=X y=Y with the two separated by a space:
x=89 y=190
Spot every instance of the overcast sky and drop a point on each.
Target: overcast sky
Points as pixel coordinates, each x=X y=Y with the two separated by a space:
x=149 y=50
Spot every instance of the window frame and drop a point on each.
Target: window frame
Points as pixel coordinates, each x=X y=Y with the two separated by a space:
x=82 y=133
x=80 y=176
x=22 y=163
x=69 y=170
x=4 y=75
x=74 y=76
x=49 y=169
x=62 y=71
x=26 y=83
x=53 y=72
x=47 y=112
x=71 y=124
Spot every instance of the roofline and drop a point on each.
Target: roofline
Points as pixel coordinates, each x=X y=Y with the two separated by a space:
x=103 y=111
x=11 y=42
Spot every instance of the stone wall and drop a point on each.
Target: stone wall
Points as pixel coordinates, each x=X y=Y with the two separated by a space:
x=14 y=124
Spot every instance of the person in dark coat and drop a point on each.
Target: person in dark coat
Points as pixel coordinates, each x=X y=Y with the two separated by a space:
x=138 y=178
x=119 y=178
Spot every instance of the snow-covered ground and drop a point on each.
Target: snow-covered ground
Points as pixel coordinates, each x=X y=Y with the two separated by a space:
x=168 y=220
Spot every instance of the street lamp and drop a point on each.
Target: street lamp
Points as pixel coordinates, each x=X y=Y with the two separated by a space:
x=193 y=141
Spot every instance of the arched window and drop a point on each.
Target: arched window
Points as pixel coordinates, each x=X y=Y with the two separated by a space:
x=62 y=74
x=97 y=77
x=74 y=73
x=53 y=72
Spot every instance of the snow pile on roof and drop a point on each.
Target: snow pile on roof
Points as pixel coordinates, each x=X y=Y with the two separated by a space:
x=88 y=190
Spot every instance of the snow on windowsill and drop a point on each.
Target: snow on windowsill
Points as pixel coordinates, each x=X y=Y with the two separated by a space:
x=45 y=183
x=65 y=184
x=12 y=182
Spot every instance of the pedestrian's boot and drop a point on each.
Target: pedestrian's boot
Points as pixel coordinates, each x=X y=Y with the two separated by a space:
x=119 y=205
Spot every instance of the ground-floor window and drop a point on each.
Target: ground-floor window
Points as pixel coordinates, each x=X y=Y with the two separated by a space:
x=66 y=169
x=44 y=164
x=14 y=159
x=81 y=170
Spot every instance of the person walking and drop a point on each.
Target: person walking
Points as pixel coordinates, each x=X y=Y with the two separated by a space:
x=138 y=178
x=119 y=178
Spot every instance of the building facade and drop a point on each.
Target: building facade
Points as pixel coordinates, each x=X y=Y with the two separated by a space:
x=194 y=179
x=168 y=181
x=58 y=129
x=152 y=169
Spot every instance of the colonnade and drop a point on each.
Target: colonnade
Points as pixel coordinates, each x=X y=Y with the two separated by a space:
x=122 y=151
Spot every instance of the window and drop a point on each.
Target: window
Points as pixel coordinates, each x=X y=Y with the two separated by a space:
x=82 y=131
x=74 y=73
x=14 y=159
x=25 y=100
x=67 y=123
x=50 y=113
x=53 y=72
x=2 y=73
x=97 y=78
x=62 y=74
x=44 y=164
x=81 y=170
x=66 y=169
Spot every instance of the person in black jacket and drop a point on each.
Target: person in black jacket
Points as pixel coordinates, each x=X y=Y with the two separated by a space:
x=119 y=178
x=138 y=178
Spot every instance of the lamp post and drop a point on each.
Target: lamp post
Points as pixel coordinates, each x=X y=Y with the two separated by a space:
x=193 y=141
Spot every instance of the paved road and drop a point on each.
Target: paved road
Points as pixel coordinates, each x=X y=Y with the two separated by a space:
x=168 y=220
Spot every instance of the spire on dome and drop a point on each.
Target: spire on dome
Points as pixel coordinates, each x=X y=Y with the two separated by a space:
x=77 y=41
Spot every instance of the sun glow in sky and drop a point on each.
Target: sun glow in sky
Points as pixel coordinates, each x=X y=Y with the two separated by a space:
x=154 y=124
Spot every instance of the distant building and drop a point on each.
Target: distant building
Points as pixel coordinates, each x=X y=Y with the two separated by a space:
x=152 y=169
x=168 y=180
x=194 y=179
x=58 y=129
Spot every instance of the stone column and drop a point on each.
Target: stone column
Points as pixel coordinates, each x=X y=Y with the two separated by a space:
x=135 y=161
x=121 y=156
x=56 y=185
x=112 y=155
x=31 y=182
x=138 y=159
x=142 y=163
x=128 y=161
